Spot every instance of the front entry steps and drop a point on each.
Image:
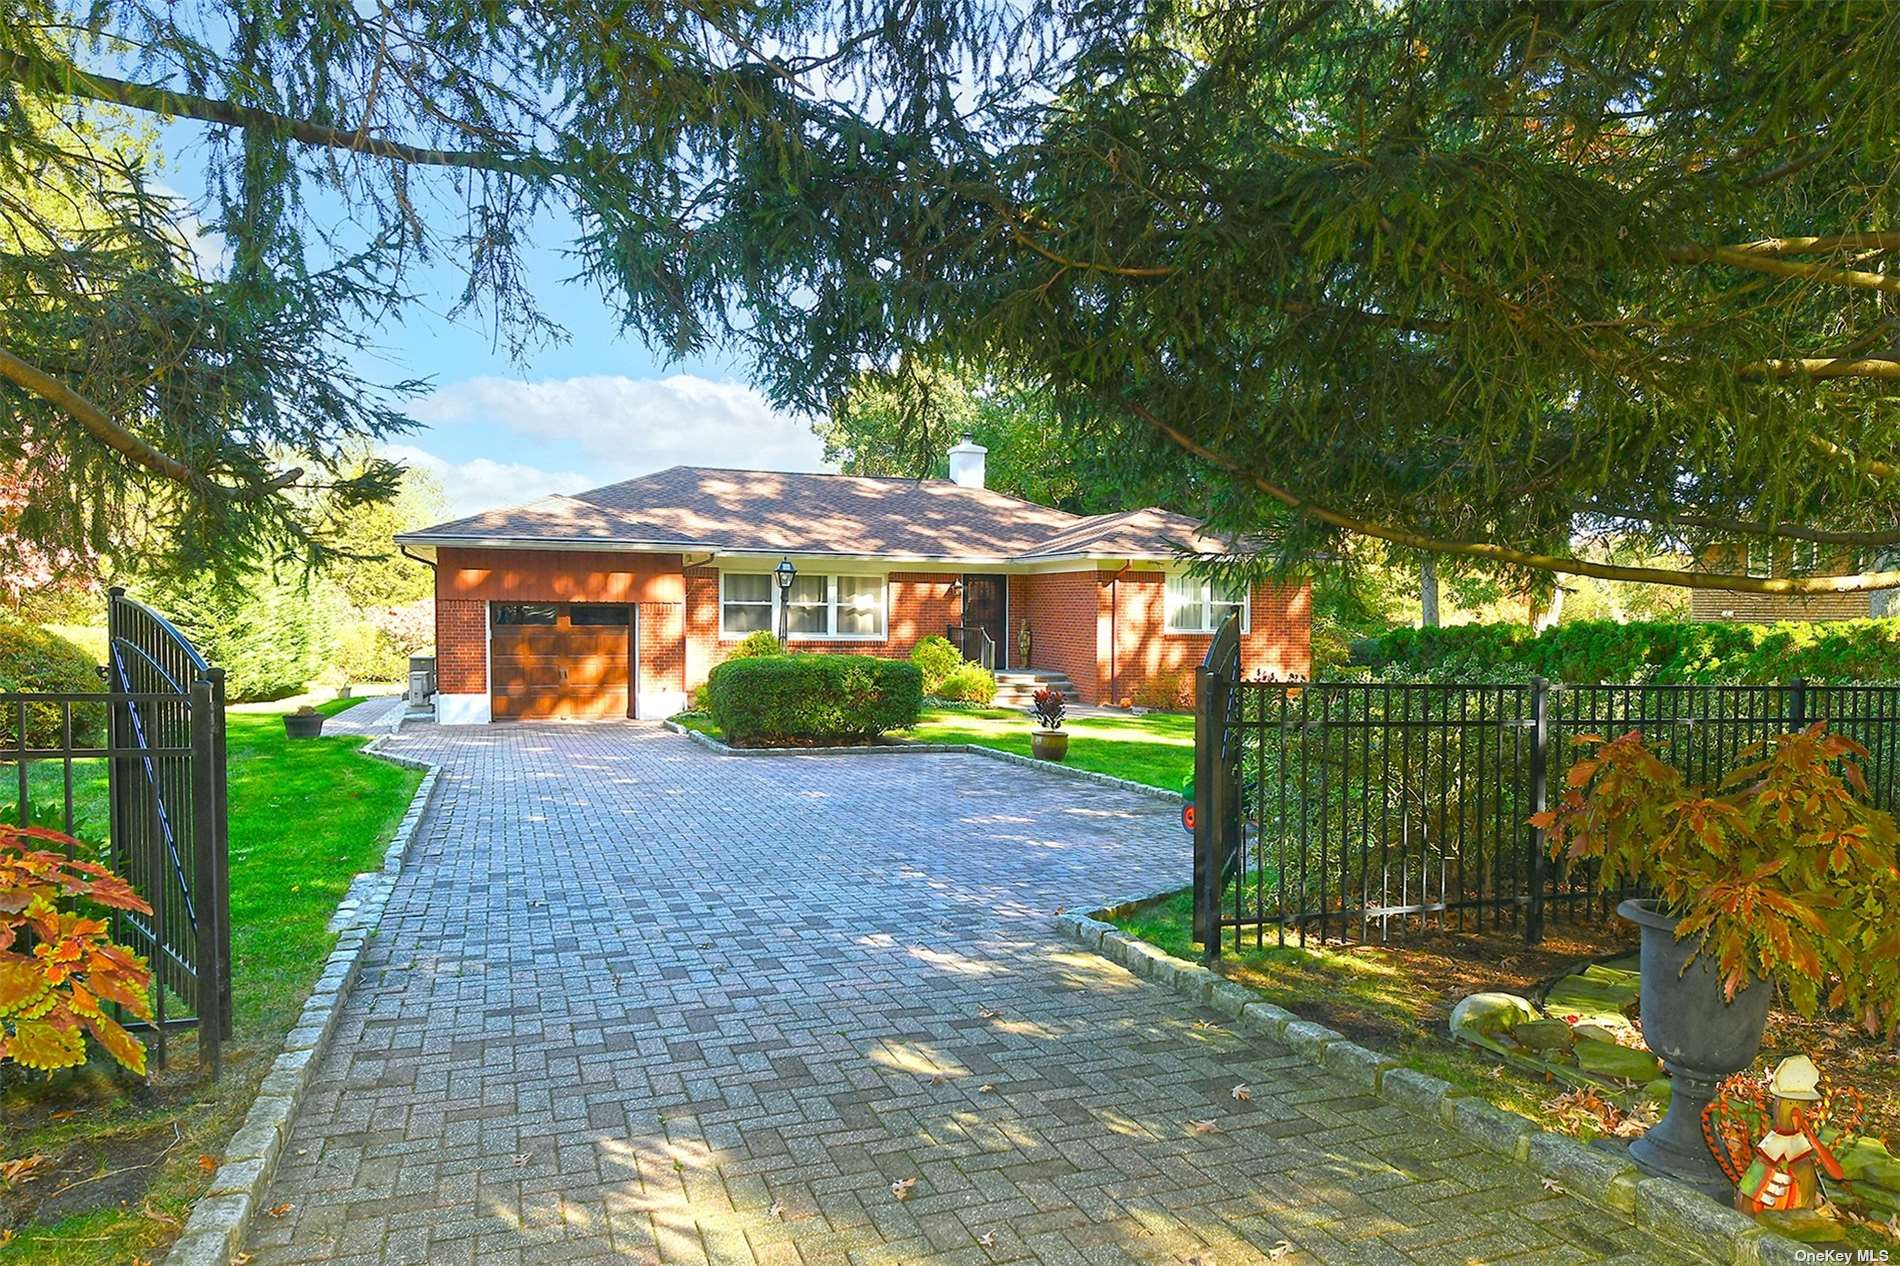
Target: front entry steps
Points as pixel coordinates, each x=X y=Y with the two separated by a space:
x=1017 y=687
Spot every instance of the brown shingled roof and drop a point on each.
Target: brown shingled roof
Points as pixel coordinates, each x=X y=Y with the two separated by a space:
x=698 y=507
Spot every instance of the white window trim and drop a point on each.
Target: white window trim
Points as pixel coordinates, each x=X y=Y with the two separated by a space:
x=1207 y=603
x=727 y=635
x=831 y=607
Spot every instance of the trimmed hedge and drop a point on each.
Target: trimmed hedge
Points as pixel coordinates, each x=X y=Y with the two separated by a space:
x=32 y=659
x=777 y=700
x=1643 y=651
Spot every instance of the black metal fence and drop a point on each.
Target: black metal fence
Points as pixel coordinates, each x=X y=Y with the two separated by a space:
x=150 y=744
x=1342 y=809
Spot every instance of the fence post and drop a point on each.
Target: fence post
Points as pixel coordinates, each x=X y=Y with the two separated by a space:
x=208 y=905
x=1209 y=730
x=1798 y=704
x=1540 y=754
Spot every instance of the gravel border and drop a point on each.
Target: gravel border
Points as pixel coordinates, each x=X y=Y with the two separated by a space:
x=214 y=1233
x=712 y=744
x=1671 y=1212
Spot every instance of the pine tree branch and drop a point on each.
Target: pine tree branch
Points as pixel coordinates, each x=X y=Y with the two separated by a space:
x=1823 y=367
x=1745 y=527
x=1821 y=245
x=1857 y=278
x=1504 y=554
x=95 y=423
x=70 y=81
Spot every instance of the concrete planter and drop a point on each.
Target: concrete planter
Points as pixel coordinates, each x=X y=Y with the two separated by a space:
x=303 y=724
x=1700 y=1038
x=1049 y=744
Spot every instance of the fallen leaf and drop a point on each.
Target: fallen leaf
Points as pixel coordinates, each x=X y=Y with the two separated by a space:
x=156 y=1214
x=1551 y=1184
x=1058 y=910
x=278 y=1210
x=522 y=1158
x=984 y=1013
x=1203 y=1127
x=14 y=1171
x=1243 y=1092
x=1205 y=1024
x=987 y=1239
x=6 y=1236
x=66 y=1115
x=937 y=1079
x=776 y=1210
x=985 y=1088
x=206 y=1163
x=901 y=1188
x=1279 y=1250
x=241 y=1259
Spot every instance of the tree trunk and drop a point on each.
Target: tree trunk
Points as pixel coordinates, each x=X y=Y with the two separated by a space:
x=1428 y=591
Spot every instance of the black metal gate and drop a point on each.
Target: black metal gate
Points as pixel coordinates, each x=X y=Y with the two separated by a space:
x=156 y=731
x=1342 y=809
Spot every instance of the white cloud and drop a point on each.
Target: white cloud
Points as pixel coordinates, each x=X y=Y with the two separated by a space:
x=473 y=486
x=635 y=425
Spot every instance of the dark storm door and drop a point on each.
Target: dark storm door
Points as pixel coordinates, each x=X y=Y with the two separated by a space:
x=985 y=607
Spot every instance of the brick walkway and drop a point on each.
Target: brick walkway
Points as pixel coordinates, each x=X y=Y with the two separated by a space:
x=634 y=1002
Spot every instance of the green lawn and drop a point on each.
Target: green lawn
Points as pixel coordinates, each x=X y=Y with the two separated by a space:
x=305 y=818
x=1157 y=749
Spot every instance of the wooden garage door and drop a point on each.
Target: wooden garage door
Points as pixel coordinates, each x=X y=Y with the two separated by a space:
x=559 y=659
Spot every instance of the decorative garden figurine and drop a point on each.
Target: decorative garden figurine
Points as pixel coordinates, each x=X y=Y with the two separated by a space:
x=1022 y=645
x=1789 y=1159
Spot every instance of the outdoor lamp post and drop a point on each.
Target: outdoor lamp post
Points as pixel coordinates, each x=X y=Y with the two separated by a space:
x=786 y=573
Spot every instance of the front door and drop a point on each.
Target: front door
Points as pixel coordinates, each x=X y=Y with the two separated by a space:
x=986 y=608
x=559 y=659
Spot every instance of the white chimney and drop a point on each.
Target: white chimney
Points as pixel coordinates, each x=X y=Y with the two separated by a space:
x=966 y=463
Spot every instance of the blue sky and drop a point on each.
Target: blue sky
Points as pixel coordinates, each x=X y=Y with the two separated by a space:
x=599 y=407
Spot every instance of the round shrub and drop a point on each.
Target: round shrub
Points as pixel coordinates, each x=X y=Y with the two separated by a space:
x=967 y=683
x=754 y=645
x=32 y=659
x=937 y=658
x=776 y=700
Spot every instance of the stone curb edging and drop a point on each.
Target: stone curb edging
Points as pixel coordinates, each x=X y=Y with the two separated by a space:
x=894 y=749
x=1666 y=1208
x=214 y=1233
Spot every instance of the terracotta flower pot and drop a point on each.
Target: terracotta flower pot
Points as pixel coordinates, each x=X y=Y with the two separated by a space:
x=1049 y=744
x=1700 y=1038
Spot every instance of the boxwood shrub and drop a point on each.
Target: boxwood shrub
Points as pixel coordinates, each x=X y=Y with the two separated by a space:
x=32 y=659
x=800 y=700
x=1642 y=651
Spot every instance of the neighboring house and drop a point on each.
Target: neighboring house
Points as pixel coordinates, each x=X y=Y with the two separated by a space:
x=1796 y=558
x=619 y=601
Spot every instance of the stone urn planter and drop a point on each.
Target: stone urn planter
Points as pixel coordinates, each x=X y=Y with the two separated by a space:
x=1700 y=1038
x=1049 y=744
x=303 y=723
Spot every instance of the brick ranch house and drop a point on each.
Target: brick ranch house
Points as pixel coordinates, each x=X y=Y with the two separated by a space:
x=618 y=602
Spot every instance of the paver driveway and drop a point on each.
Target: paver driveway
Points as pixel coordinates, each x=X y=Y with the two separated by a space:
x=634 y=1002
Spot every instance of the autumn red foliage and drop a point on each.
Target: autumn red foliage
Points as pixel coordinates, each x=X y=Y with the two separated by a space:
x=1784 y=870
x=59 y=968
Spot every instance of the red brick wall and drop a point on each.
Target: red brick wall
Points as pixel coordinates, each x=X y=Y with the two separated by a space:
x=1148 y=663
x=461 y=646
x=537 y=575
x=921 y=603
x=1067 y=614
x=1108 y=633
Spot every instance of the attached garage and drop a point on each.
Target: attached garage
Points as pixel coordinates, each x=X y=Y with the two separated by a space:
x=560 y=659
